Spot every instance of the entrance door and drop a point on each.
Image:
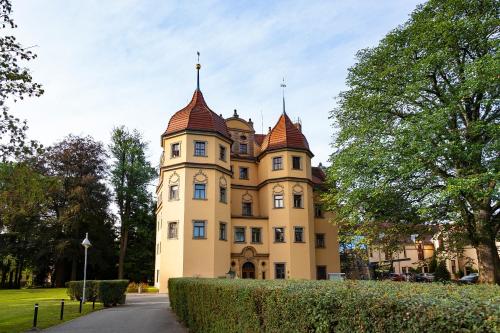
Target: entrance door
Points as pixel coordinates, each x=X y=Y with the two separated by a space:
x=248 y=271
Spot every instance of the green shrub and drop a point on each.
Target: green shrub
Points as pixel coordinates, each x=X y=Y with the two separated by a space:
x=219 y=305
x=109 y=292
x=75 y=289
x=112 y=292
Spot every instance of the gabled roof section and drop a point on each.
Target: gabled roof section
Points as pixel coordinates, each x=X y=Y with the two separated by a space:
x=259 y=138
x=197 y=116
x=284 y=135
x=318 y=175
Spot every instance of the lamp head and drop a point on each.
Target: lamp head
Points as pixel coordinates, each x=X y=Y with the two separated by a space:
x=86 y=243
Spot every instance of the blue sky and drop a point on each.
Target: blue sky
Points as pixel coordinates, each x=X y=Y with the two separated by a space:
x=129 y=62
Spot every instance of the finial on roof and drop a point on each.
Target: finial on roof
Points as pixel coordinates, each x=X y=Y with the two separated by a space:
x=235 y=114
x=198 y=66
x=269 y=129
x=283 y=85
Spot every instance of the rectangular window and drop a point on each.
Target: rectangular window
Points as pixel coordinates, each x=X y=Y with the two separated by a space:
x=321 y=272
x=172 y=230
x=247 y=209
x=173 y=193
x=222 y=194
x=317 y=211
x=222 y=231
x=199 y=229
x=175 y=150
x=279 y=271
x=299 y=234
x=157 y=275
x=320 y=240
x=239 y=234
x=277 y=163
x=232 y=171
x=256 y=235
x=243 y=148
x=278 y=201
x=279 y=235
x=243 y=173
x=297 y=201
x=222 y=153
x=200 y=148
x=296 y=162
x=404 y=252
x=200 y=191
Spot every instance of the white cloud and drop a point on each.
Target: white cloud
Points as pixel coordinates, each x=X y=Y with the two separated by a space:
x=108 y=63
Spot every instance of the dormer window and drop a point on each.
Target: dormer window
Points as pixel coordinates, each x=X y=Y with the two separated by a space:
x=243 y=148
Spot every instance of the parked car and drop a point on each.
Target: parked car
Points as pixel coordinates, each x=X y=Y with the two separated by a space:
x=469 y=279
x=397 y=277
x=424 y=277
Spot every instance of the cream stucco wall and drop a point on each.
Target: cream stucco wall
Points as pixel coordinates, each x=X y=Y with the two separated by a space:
x=213 y=257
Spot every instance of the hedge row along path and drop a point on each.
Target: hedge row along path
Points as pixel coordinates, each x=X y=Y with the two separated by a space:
x=141 y=313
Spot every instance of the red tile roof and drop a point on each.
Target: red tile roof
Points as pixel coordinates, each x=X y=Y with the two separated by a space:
x=259 y=138
x=197 y=116
x=318 y=175
x=285 y=135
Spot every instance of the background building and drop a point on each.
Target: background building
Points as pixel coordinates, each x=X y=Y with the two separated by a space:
x=233 y=201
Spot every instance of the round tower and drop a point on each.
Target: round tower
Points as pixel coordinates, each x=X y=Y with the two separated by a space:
x=193 y=194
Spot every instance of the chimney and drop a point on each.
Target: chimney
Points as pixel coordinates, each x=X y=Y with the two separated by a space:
x=298 y=124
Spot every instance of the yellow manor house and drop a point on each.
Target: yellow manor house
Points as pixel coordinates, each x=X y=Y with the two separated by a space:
x=233 y=202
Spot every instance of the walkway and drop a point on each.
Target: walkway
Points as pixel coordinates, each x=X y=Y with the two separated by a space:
x=142 y=313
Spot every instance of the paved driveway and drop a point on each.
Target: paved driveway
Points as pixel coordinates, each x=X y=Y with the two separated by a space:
x=141 y=313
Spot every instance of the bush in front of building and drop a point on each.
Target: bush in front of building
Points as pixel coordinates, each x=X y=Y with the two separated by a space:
x=109 y=292
x=220 y=305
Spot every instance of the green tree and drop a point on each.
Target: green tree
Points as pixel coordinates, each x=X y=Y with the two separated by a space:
x=82 y=205
x=15 y=82
x=25 y=218
x=442 y=273
x=131 y=174
x=418 y=140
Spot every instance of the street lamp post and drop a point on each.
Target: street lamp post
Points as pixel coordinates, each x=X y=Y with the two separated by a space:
x=86 y=244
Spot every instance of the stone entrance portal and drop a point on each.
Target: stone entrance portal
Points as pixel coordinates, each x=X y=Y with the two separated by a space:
x=248 y=264
x=248 y=271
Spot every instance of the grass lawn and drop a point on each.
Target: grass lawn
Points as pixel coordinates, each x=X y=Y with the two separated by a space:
x=16 y=308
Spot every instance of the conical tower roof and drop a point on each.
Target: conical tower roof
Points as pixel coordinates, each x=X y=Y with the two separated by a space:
x=285 y=135
x=197 y=116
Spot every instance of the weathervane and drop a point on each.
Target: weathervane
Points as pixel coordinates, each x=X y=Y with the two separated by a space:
x=283 y=85
x=198 y=66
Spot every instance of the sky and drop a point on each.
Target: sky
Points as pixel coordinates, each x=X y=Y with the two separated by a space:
x=128 y=62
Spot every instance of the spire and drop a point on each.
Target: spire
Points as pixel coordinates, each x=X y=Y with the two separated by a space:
x=198 y=66
x=283 y=85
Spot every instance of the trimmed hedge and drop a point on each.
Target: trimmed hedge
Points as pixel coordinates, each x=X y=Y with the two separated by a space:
x=220 y=305
x=109 y=292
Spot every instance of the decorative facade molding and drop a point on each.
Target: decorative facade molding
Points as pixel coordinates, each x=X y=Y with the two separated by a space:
x=200 y=178
x=247 y=197
x=223 y=182
x=278 y=189
x=297 y=189
x=174 y=178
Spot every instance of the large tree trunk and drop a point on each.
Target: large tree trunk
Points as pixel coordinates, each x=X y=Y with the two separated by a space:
x=123 y=250
x=488 y=263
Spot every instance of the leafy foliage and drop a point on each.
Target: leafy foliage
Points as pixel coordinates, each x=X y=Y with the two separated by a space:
x=131 y=174
x=16 y=82
x=419 y=131
x=220 y=305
